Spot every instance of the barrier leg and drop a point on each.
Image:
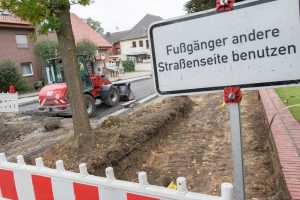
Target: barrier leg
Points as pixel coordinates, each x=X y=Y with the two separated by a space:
x=227 y=191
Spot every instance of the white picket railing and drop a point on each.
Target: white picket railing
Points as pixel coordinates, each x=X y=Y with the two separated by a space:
x=27 y=182
x=9 y=102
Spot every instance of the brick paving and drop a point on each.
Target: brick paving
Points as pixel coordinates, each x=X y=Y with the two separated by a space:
x=286 y=135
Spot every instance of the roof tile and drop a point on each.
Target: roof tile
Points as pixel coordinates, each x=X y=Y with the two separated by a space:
x=12 y=20
x=82 y=31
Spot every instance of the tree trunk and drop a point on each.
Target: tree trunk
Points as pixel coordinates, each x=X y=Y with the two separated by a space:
x=81 y=123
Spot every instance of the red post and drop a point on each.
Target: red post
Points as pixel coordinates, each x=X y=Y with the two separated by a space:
x=232 y=95
x=12 y=88
x=224 y=5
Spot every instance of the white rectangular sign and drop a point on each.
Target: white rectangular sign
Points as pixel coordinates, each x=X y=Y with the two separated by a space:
x=255 y=45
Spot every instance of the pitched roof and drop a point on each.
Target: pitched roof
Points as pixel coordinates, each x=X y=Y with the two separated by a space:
x=140 y=30
x=115 y=37
x=83 y=31
x=10 y=20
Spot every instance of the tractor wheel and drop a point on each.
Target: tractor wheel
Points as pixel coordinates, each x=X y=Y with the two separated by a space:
x=90 y=104
x=112 y=97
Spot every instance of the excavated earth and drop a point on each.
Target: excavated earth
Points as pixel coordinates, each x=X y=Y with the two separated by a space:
x=179 y=136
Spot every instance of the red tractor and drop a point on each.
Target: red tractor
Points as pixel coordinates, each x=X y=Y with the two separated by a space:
x=53 y=97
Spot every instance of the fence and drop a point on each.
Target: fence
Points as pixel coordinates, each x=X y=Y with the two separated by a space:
x=143 y=67
x=9 y=102
x=27 y=182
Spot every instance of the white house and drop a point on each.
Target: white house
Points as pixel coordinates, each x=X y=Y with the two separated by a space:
x=135 y=44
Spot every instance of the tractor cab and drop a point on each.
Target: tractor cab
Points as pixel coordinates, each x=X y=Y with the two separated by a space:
x=55 y=72
x=53 y=97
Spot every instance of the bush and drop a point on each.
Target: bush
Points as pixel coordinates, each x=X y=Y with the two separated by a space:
x=38 y=85
x=128 y=65
x=9 y=75
x=22 y=86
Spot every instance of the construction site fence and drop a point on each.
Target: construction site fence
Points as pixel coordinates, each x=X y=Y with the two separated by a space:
x=9 y=102
x=19 y=181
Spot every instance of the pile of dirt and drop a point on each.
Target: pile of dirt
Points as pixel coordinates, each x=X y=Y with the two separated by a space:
x=118 y=136
x=51 y=123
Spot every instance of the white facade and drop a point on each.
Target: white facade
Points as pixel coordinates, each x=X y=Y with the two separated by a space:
x=128 y=49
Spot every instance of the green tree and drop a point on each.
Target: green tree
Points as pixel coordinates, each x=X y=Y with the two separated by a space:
x=46 y=49
x=199 y=5
x=87 y=48
x=96 y=25
x=55 y=15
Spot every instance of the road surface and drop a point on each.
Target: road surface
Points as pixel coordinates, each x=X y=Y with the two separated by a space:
x=140 y=88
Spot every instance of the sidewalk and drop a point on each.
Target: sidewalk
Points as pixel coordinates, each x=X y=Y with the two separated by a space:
x=130 y=76
x=285 y=131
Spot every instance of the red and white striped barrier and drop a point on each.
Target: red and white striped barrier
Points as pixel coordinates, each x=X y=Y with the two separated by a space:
x=19 y=181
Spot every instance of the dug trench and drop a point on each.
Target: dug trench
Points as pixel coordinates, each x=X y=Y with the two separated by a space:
x=180 y=136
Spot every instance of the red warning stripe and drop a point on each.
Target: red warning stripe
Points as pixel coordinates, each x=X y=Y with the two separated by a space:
x=139 y=197
x=84 y=192
x=42 y=187
x=7 y=185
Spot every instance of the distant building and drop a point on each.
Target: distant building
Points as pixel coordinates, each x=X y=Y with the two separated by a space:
x=132 y=44
x=135 y=44
x=114 y=39
x=16 y=45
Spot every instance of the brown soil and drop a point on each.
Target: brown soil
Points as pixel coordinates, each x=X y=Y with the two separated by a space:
x=22 y=135
x=118 y=136
x=181 y=136
x=14 y=127
x=199 y=148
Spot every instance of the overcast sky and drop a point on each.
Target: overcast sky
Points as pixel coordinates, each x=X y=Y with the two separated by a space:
x=126 y=13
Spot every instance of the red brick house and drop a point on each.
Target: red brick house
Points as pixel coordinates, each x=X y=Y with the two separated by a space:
x=16 y=45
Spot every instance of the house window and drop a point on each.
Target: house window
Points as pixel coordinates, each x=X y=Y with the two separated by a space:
x=134 y=44
x=147 y=44
x=26 y=69
x=22 y=41
x=141 y=43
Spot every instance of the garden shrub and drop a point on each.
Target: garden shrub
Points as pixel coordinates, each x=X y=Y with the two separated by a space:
x=38 y=85
x=128 y=65
x=10 y=75
x=22 y=86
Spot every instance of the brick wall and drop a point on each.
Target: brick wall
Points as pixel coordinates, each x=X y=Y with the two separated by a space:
x=9 y=50
x=115 y=48
x=285 y=132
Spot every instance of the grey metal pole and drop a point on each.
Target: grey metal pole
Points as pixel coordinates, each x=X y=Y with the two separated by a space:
x=237 y=151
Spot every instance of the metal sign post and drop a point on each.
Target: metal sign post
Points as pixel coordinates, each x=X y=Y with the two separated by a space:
x=232 y=97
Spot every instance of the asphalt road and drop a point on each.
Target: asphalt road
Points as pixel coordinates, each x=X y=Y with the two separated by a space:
x=141 y=89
